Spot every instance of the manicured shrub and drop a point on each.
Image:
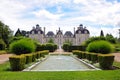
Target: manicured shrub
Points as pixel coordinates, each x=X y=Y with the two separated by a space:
x=33 y=57
x=105 y=60
x=17 y=63
x=37 y=55
x=103 y=47
x=38 y=47
x=94 y=57
x=81 y=48
x=43 y=53
x=77 y=53
x=55 y=46
x=2 y=45
x=22 y=46
x=28 y=58
x=50 y=47
x=88 y=56
x=83 y=55
x=66 y=46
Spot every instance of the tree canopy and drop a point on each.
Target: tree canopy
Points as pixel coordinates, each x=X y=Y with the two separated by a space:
x=5 y=32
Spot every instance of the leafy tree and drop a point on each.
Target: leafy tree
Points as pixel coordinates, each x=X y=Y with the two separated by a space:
x=110 y=38
x=69 y=42
x=51 y=40
x=5 y=33
x=101 y=33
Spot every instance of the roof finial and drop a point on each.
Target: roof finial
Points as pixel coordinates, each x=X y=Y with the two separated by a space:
x=59 y=28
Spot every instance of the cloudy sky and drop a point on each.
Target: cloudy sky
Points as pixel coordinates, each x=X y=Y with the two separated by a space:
x=66 y=14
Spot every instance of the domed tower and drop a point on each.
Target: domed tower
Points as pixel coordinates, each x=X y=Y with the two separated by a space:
x=81 y=34
x=37 y=34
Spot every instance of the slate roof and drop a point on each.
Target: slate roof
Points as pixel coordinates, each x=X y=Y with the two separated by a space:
x=59 y=32
x=82 y=31
x=50 y=34
x=68 y=34
x=36 y=30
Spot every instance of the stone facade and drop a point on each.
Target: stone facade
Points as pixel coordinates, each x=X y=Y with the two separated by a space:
x=80 y=35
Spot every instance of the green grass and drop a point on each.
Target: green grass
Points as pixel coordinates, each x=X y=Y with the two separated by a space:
x=63 y=75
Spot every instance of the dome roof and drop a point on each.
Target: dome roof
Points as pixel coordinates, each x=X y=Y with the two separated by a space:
x=83 y=31
x=36 y=30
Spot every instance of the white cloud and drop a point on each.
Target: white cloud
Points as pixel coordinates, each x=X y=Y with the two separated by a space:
x=88 y=12
x=46 y=14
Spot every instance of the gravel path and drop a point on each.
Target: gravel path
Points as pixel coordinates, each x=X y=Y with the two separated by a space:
x=4 y=58
x=117 y=57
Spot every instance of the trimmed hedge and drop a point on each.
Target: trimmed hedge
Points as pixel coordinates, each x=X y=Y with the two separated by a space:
x=106 y=60
x=103 y=47
x=66 y=46
x=43 y=53
x=22 y=46
x=88 y=56
x=51 y=47
x=17 y=63
x=83 y=55
x=81 y=48
x=29 y=58
x=94 y=57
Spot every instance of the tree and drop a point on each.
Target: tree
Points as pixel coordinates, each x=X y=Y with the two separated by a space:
x=51 y=40
x=110 y=38
x=101 y=33
x=5 y=33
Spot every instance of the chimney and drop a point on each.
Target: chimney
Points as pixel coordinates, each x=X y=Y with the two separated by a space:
x=44 y=30
x=74 y=30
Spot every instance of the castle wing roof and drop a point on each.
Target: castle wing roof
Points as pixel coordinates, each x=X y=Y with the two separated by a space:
x=50 y=33
x=68 y=34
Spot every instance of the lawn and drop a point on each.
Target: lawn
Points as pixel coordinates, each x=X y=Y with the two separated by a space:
x=63 y=75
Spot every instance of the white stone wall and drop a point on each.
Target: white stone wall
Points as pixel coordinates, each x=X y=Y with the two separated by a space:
x=59 y=39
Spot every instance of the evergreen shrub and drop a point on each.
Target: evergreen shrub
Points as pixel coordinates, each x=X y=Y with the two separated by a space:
x=94 y=57
x=17 y=63
x=103 y=47
x=106 y=60
x=28 y=58
x=22 y=46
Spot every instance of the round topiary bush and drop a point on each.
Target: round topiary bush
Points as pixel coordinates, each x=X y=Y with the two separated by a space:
x=101 y=46
x=22 y=46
